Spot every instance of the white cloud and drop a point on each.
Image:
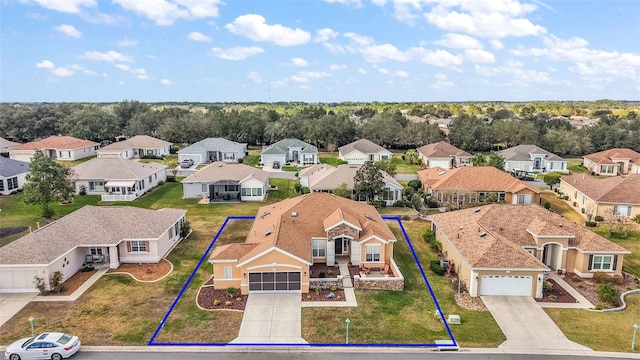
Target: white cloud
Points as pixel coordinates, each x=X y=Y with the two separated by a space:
x=337 y=66
x=67 y=6
x=198 y=36
x=166 y=12
x=497 y=44
x=325 y=34
x=401 y=73
x=314 y=74
x=299 y=62
x=442 y=81
x=299 y=79
x=383 y=71
x=62 y=72
x=334 y=48
x=358 y=40
x=76 y=67
x=479 y=56
x=459 y=41
x=376 y=53
x=127 y=42
x=356 y=3
x=236 y=53
x=37 y=16
x=254 y=27
x=110 y=56
x=45 y=64
x=362 y=71
x=441 y=58
x=255 y=77
x=166 y=82
x=68 y=30
x=140 y=73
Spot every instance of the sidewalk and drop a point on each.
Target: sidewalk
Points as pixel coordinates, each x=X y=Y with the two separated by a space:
x=79 y=291
x=349 y=294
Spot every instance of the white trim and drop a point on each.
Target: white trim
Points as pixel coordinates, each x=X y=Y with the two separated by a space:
x=257 y=267
x=273 y=248
x=221 y=261
x=374 y=237
x=343 y=222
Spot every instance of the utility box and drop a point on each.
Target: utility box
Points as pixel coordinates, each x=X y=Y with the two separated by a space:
x=454 y=319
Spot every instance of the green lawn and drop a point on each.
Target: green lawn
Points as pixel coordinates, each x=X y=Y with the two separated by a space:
x=561 y=207
x=403 y=166
x=330 y=158
x=170 y=160
x=575 y=165
x=631 y=243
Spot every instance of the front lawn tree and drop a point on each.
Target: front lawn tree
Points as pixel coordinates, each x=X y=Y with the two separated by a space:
x=46 y=183
x=551 y=179
x=368 y=181
x=496 y=160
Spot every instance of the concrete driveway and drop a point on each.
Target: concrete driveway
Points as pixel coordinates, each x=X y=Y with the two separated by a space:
x=271 y=319
x=10 y=304
x=526 y=325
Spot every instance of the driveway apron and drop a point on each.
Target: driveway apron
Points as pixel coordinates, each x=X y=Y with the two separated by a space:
x=526 y=325
x=271 y=319
x=10 y=304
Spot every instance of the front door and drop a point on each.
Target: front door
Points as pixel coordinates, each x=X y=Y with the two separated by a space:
x=342 y=246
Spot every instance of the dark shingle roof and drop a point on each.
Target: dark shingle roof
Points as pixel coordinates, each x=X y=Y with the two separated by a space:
x=521 y=153
x=10 y=167
x=282 y=146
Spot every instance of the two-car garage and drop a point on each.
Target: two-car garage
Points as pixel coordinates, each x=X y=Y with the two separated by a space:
x=506 y=285
x=275 y=281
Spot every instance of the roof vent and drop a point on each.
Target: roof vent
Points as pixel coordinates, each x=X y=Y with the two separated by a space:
x=483 y=234
x=476 y=210
x=369 y=217
x=294 y=214
x=219 y=164
x=267 y=233
x=441 y=173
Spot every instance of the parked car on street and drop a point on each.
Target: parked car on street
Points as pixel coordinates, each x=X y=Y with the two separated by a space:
x=51 y=345
x=186 y=163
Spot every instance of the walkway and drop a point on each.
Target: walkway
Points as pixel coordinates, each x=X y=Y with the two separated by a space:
x=526 y=325
x=349 y=294
x=271 y=319
x=582 y=303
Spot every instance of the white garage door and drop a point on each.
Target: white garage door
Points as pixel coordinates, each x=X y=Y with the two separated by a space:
x=17 y=281
x=509 y=285
x=274 y=281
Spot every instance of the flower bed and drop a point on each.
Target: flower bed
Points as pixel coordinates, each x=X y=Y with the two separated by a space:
x=208 y=297
x=323 y=295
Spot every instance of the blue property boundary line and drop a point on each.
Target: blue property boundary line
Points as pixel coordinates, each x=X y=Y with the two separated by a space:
x=152 y=342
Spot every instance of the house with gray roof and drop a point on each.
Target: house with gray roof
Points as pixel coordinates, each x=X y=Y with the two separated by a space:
x=363 y=150
x=444 y=155
x=13 y=175
x=533 y=159
x=6 y=145
x=100 y=235
x=213 y=149
x=326 y=178
x=117 y=179
x=227 y=182
x=289 y=151
x=136 y=147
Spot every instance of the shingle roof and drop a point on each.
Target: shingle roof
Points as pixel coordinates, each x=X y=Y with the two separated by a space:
x=6 y=144
x=616 y=189
x=363 y=145
x=10 y=167
x=282 y=146
x=326 y=177
x=290 y=224
x=506 y=233
x=137 y=142
x=441 y=149
x=521 y=153
x=606 y=156
x=57 y=142
x=227 y=171
x=474 y=178
x=116 y=169
x=211 y=144
x=88 y=226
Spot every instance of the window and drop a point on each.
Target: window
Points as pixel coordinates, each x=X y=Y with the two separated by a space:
x=228 y=272
x=384 y=157
x=229 y=188
x=584 y=198
x=524 y=199
x=65 y=154
x=138 y=246
x=372 y=252
x=388 y=194
x=251 y=192
x=602 y=262
x=318 y=248
x=620 y=210
x=150 y=180
x=155 y=176
x=205 y=188
x=1 y=184
x=575 y=194
x=551 y=165
x=12 y=183
x=170 y=233
x=501 y=197
x=96 y=185
x=229 y=156
x=142 y=184
x=607 y=169
x=96 y=250
x=176 y=228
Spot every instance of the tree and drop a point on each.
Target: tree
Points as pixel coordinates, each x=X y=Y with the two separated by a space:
x=496 y=160
x=479 y=159
x=387 y=166
x=343 y=191
x=46 y=183
x=551 y=179
x=368 y=181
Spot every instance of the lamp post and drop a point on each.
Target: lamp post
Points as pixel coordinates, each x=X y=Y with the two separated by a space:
x=633 y=341
x=33 y=330
x=347 y=339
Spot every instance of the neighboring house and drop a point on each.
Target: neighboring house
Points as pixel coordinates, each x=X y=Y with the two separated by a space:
x=326 y=178
x=213 y=149
x=617 y=195
x=6 y=145
x=13 y=175
x=222 y=181
x=289 y=151
x=287 y=237
x=56 y=147
x=135 y=147
x=613 y=162
x=476 y=184
x=117 y=179
x=503 y=249
x=532 y=158
x=444 y=155
x=110 y=235
x=363 y=150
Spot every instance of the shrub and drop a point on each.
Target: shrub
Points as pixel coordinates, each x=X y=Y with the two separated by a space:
x=400 y=203
x=547 y=205
x=309 y=297
x=547 y=286
x=230 y=291
x=338 y=297
x=305 y=190
x=552 y=297
x=575 y=203
x=637 y=218
x=334 y=288
x=376 y=203
x=228 y=303
x=565 y=197
x=415 y=184
x=56 y=282
x=39 y=283
x=83 y=190
x=601 y=277
x=329 y=272
x=608 y=293
x=174 y=282
x=216 y=302
x=317 y=289
x=590 y=224
x=297 y=187
x=599 y=218
x=436 y=268
x=583 y=210
x=239 y=299
x=580 y=286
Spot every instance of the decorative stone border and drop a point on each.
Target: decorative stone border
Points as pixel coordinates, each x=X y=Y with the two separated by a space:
x=624 y=303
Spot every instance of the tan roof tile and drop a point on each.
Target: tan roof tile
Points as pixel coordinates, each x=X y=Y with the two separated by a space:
x=606 y=156
x=226 y=171
x=473 y=178
x=363 y=145
x=616 y=189
x=138 y=142
x=441 y=149
x=57 y=142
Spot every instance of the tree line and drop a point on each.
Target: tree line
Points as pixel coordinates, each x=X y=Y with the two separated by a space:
x=474 y=127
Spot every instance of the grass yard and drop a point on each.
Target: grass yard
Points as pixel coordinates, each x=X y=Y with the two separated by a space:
x=70 y=164
x=631 y=243
x=575 y=166
x=393 y=210
x=403 y=166
x=330 y=158
x=170 y=160
x=561 y=207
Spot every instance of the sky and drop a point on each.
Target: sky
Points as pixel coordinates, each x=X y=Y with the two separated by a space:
x=318 y=50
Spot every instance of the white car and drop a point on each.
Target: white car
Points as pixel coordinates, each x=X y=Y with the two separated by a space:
x=52 y=345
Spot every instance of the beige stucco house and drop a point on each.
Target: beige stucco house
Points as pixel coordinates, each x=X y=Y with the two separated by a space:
x=443 y=155
x=363 y=150
x=289 y=236
x=478 y=184
x=65 y=148
x=613 y=162
x=136 y=147
x=617 y=195
x=504 y=249
x=108 y=235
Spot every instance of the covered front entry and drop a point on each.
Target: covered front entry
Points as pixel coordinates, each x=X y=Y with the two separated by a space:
x=274 y=281
x=224 y=190
x=506 y=285
x=341 y=246
x=552 y=256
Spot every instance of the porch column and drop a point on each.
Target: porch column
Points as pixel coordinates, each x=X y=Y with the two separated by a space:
x=114 y=262
x=331 y=252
